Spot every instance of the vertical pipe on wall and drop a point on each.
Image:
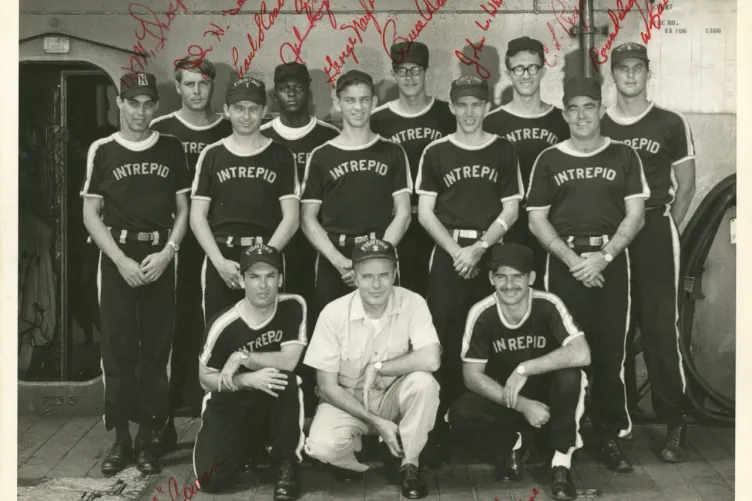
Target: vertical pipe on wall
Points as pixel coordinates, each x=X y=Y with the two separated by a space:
x=587 y=35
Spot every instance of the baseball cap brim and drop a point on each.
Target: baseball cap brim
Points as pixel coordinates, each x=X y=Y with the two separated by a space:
x=143 y=91
x=620 y=56
x=255 y=97
x=262 y=258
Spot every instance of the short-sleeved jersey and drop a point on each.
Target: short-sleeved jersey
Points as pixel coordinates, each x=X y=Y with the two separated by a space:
x=662 y=138
x=492 y=339
x=414 y=131
x=245 y=190
x=470 y=183
x=530 y=134
x=229 y=331
x=356 y=185
x=300 y=141
x=137 y=180
x=586 y=192
x=194 y=138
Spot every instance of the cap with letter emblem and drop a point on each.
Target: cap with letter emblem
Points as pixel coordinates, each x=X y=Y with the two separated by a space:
x=628 y=50
x=374 y=249
x=138 y=84
x=260 y=253
x=469 y=85
x=246 y=89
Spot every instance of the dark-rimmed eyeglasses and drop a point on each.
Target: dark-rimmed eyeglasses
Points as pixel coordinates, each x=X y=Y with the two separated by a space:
x=532 y=69
x=414 y=71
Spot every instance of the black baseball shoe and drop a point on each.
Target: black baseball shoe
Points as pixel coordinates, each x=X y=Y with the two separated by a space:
x=562 y=487
x=147 y=461
x=508 y=467
x=165 y=440
x=119 y=456
x=613 y=457
x=413 y=487
x=287 y=487
x=674 y=448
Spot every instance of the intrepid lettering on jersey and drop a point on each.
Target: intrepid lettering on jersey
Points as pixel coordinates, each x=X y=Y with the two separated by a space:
x=143 y=169
x=519 y=343
x=416 y=133
x=642 y=143
x=584 y=173
x=358 y=165
x=532 y=133
x=468 y=172
x=191 y=147
x=302 y=157
x=265 y=339
x=247 y=173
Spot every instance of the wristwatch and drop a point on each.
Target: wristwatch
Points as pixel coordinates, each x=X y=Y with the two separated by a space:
x=175 y=246
x=521 y=370
x=483 y=243
x=607 y=256
x=377 y=366
x=244 y=354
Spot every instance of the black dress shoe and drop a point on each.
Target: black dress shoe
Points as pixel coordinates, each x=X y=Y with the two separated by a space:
x=344 y=475
x=119 y=456
x=287 y=487
x=413 y=486
x=146 y=458
x=562 y=487
x=674 y=448
x=508 y=467
x=613 y=457
x=165 y=440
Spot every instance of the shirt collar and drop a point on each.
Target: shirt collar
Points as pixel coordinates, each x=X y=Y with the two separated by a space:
x=357 y=312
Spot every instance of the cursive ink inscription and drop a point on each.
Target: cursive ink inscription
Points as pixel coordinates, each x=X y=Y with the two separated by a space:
x=189 y=490
x=238 y=5
x=291 y=51
x=474 y=61
x=264 y=21
x=563 y=20
x=651 y=17
x=389 y=36
x=151 y=26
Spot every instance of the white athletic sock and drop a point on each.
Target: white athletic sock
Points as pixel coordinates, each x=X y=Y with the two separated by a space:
x=561 y=459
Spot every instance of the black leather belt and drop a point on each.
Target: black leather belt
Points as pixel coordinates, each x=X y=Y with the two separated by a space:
x=155 y=237
x=596 y=241
x=347 y=240
x=241 y=241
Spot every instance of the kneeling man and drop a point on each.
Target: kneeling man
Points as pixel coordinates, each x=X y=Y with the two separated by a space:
x=253 y=398
x=522 y=352
x=374 y=351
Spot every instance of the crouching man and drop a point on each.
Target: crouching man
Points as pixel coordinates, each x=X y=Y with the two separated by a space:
x=253 y=399
x=521 y=355
x=374 y=351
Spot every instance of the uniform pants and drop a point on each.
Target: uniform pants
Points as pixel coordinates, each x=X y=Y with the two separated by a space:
x=655 y=277
x=411 y=401
x=414 y=253
x=216 y=295
x=603 y=315
x=450 y=298
x=137 y=329
x=520 y=233
x=234 y=424
x=300 y=259
x=185 y=389
x=496 y=426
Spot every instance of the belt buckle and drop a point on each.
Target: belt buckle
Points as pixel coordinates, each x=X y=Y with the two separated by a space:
x=360 y=239
x=596 y=241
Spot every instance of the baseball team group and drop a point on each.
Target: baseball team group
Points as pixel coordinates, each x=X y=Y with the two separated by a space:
x=438 y=274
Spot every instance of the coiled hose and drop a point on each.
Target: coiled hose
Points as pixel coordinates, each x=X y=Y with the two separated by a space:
x=696 y=241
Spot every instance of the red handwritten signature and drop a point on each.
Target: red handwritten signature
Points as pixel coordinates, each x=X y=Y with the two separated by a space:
x=531 y=498
x=150 y=26
x=652 y=21
x=562 y=19
x=295 y=48
x=189 y=490
x=491 y=8
x=390 y=37
x=263 y=21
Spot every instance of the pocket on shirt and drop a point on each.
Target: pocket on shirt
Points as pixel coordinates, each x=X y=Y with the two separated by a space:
x=351 y=362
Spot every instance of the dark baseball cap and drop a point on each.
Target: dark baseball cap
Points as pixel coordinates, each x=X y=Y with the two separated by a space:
x=409 y=52
x=138 y=84
x=246 y=89
x=294 y=71
x=524 y=43
x=353 y=77
x=513 y=255
x=627 y=50
x=374 y=249
x=582 y=86
x=260 y=253
x=469 y=85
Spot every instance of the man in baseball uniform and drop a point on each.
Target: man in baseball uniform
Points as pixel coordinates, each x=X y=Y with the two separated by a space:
x=245 y=192
x=470 y=188
x=521 y=356
x=253 y=398
x=413 y=120
x=196 y=126
x=357 y=187
x=664 y=142
x=531 y=124
x=374 y=350
x=586 y=203
x=136 y=211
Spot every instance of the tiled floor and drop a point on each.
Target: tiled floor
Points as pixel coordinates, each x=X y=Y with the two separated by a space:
x=59 y=459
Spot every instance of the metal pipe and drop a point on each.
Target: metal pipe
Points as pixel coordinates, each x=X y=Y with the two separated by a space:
x=587 y=35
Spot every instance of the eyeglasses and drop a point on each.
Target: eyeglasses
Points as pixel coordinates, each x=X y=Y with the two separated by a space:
x=415 y=71
x=533 y=69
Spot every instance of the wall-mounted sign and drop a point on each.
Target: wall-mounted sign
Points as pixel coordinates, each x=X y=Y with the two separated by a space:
x=56 y=45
